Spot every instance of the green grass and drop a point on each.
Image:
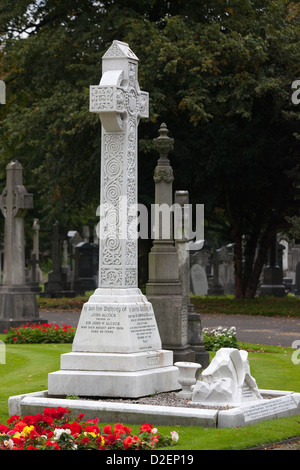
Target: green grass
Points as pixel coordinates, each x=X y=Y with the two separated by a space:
x=27 y=368
x=267 y=306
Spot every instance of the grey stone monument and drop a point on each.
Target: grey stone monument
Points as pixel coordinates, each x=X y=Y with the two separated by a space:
x=57 y=285
x=182 y=243
x=216 y=288
x=18 y=304
x=36 y=277
x=117 y=347
x=2 y=92
x=164 y=289
x=297 y=281
x=272 y=284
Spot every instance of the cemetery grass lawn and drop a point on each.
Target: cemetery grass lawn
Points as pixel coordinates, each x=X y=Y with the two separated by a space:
x=27 y=368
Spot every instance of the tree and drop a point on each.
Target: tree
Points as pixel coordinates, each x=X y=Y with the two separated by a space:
x=218 y=73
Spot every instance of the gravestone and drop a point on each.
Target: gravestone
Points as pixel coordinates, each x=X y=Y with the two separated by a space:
x=226 y=268
x=86 y=267
x=199 y=280
x=182 y=221
x=117 y=347
x=57 y=285
x=272 y=284
x=18 y=304
x=2 y=92
x=74 y=239
x=36 y=249
x=297 y=282
x=215 y=287
x=164 y=289
x=36 y=277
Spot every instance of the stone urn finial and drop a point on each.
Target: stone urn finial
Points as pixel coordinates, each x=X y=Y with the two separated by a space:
x=163 y=144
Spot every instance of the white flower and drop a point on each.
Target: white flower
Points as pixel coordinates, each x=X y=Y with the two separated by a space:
x=9 y=444
x=154 y=431
x=59 y=431
x=175 y=436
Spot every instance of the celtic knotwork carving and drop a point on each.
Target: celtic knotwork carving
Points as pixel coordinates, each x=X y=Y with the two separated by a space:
x=130 y=277
x=130 y=254
x=111 y=276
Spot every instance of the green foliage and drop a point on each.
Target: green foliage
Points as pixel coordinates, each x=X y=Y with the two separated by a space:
x=43 y=333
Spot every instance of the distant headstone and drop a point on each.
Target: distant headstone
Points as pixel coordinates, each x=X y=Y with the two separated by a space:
x=117 y=347
x=18 y=304
x=2 y=92
x=216 y=288
x=272 y=284
x=36 y=276
x=86 y=267
x=198 y=280
x=297 y=281
x=57 y=285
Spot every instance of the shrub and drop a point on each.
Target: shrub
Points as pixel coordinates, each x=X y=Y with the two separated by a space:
x=40 y=333
x=216 y=338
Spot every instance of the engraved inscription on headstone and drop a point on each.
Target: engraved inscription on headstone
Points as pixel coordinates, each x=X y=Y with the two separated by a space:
x=268 y=408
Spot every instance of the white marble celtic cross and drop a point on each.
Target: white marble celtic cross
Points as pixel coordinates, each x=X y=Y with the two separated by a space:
x=120 y=104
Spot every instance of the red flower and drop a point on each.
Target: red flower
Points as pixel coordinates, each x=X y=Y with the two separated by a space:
x=107 y=429
x=75 y=428
x=85 y=440
x=32 y=448
x=3 y=429
x=121 y=429
x=146 y=427
x=54 y=444
x=128 y=441
x=13 y=418
x=110 y=439
x=94 y=429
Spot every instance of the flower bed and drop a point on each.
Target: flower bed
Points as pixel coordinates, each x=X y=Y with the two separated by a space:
x=216 y=338
x=40 y=333
x=54 y=430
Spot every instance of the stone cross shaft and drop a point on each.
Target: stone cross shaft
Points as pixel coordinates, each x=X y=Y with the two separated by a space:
x=120 y=104
x=14 y=202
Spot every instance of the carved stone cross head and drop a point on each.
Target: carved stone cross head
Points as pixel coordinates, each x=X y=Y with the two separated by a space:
x=118 y=97
x=15 y=200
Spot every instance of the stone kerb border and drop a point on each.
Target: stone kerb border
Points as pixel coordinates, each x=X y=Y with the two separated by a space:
x=281 y=404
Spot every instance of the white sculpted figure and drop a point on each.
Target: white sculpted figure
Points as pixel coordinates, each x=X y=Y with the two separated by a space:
x=227 y=380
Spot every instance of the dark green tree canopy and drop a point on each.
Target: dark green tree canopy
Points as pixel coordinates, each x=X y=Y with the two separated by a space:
x=219 y=73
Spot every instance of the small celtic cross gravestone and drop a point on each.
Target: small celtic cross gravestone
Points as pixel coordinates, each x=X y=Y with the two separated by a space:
x=18 y=303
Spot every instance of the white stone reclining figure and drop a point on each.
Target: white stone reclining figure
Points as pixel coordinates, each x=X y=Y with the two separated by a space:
x=227 y=380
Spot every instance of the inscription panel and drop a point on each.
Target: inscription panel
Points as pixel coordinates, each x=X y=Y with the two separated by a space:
x=268 y=408
x=109 y=326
